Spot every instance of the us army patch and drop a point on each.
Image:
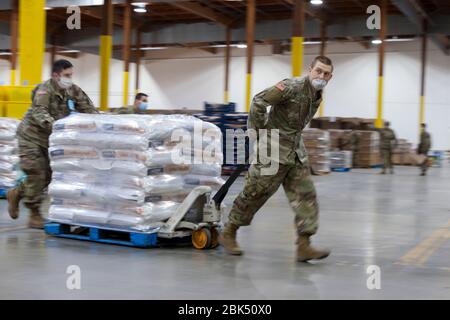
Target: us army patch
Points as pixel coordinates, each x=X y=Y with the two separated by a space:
x=280 y=86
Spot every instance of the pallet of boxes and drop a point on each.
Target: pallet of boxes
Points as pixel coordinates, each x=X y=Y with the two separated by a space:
x=402 y=153
x=317 y=143
x=368 y=155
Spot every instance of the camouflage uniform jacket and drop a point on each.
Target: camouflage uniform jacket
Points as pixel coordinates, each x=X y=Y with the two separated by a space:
x=387 y=138
x=49 y=104
x=293 y=104
x=131 y=109
x=425 y=142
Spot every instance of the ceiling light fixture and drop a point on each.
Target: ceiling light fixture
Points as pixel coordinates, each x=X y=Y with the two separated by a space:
x=377 y=41
x=399 y=39
x=140 y=10
x=153 y=48
x=139 y=4
x=241 y=46
x=316 y=2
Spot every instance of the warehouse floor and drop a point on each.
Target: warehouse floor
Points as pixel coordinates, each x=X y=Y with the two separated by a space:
x=400 y=223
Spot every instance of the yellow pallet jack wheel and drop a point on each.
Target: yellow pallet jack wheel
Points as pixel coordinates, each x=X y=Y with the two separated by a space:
x=201 y=239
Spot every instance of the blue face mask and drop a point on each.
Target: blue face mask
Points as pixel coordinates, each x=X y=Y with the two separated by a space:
x=143 y=106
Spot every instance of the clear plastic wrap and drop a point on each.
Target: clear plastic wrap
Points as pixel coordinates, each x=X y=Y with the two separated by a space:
x=99 y=140
x=6 y=167
x=7 y=150
x=8 y=128
x=9 y=160
x=129 y=171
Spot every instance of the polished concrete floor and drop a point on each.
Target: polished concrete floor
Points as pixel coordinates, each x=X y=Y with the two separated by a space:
x=400 y=223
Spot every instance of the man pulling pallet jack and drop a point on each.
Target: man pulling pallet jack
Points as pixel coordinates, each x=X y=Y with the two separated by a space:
x=293 y=104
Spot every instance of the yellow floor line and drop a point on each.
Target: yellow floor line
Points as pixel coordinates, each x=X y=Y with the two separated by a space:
x=422 y=252
x=13 y=228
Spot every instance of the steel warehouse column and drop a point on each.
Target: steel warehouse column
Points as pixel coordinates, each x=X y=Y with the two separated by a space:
x=251 y=12
x=227 y=65
x=297 y=37
x=422 y=78
x=126 y=50
x=14 y=36
x=379 y=122
x=323 y=34
x=138 y=59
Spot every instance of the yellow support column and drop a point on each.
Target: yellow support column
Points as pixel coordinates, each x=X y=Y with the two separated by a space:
x=125 y=88
x=13 y=77
x=227 y=65
x=422 y=110
x=297 y=37
x=14 y=37
x=422 y=77
x=251 y=16
x=31 y=41
x=379 y=122
x=321 y=112
x=105 y=53
x=297 y=56
x=126 y=50
x=248 y=96
x=323 y=33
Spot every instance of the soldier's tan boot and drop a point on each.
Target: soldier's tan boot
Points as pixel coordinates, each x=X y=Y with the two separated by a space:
x=305 y=252
x=13 y=197
x=228 y=239
x=35 y=221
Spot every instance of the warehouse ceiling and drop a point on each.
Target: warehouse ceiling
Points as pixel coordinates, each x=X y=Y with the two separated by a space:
x=202 y=23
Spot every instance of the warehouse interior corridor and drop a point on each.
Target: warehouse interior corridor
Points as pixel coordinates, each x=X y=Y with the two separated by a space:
x=399 y=223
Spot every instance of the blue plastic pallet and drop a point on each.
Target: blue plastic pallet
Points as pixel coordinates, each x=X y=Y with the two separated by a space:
x=3 y=192
x=340 y=169
x=123 y=238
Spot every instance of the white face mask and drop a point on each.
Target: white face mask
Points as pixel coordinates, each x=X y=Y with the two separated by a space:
x=318 y=84
x=65 y=82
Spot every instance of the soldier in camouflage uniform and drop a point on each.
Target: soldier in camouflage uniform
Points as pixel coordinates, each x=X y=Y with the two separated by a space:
x=139 y=106
x=293 y=104
x=352 y=141
x=51 y=100
x=424 y=147
x=388 y=142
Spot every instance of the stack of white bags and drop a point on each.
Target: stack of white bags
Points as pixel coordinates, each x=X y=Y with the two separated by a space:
x=129 y=171
x=9 y=159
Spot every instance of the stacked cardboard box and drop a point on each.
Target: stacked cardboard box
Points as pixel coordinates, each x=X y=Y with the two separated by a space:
x=369 y=149
x=336 y=135
x=317 y=143
x=401 y=153
x=327 y=123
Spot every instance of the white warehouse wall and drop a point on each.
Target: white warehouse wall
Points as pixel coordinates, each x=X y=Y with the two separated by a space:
x=185 y=78
x=185 y=81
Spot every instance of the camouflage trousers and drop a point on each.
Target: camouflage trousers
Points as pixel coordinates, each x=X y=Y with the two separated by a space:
x=387 y=158
x=34 y=161
x=299 y=189
x=424 y=164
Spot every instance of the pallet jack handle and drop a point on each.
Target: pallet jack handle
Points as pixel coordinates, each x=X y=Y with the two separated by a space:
x=222 y=192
